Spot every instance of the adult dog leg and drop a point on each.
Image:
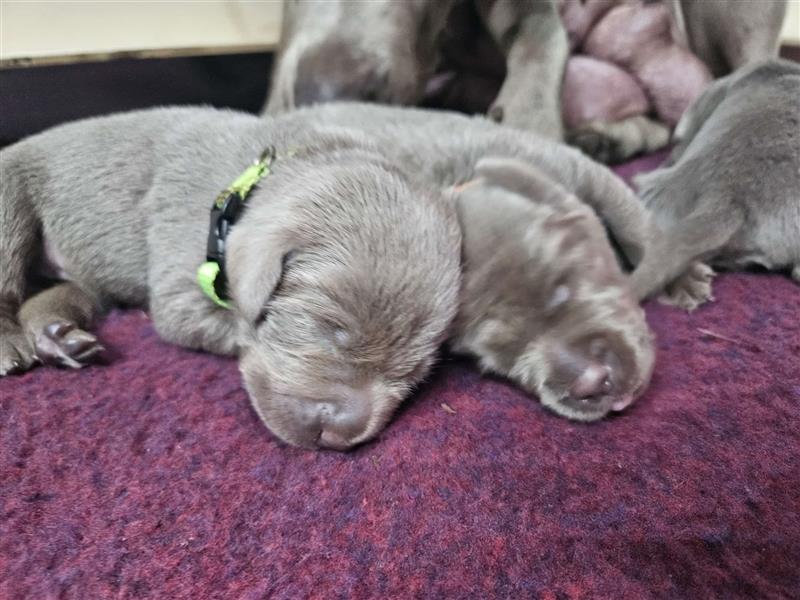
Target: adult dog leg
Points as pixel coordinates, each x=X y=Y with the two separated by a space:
x=532 y=37
x=726 y=35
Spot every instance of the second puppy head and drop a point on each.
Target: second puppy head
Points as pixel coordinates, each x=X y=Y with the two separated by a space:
x=543 y=299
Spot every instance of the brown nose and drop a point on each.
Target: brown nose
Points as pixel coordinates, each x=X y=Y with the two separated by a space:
x=592 y=384
x=344 y=422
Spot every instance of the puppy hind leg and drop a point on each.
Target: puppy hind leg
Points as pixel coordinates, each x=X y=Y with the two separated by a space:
x=18 y=239
x=55 y=322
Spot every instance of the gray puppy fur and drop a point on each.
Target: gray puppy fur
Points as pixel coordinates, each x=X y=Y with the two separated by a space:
x=730 y=194
x=338 y=306
x=385 y=51
x=544 y=302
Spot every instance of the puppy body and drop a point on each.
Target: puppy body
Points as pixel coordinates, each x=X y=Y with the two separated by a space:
x=331 y=333
x=730 y=194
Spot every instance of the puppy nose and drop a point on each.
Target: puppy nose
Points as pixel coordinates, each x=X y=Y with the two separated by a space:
x=345 y=421
x=592 y=384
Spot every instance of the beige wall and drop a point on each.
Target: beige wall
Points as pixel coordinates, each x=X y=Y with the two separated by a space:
x=791 y=26
x=39 y=29
x=58 y=30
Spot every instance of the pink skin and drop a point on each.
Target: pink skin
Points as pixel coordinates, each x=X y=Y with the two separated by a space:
x=629 y=64
x=579 y=16
x=637 y=38
x=594 y=90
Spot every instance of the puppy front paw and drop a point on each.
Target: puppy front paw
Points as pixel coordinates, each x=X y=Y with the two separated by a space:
x=691 y=289
x=597 y=144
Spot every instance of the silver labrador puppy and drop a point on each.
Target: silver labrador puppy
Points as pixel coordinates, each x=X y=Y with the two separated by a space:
x=730 y=193
x=338 y=305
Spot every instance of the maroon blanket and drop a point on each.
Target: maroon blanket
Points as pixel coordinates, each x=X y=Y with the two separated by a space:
x=153 y=478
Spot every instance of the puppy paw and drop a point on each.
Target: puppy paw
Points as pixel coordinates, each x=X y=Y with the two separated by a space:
x=691 y=289
x=61 y=343
x=16 y=354
x=597 y=144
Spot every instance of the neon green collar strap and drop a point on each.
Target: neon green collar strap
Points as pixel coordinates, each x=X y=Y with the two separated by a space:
x=224 y=212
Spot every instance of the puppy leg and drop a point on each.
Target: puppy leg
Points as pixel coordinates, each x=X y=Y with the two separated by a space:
x=18 y=226
x=55 y=322
x=183 y=315
x=670 y=262
x=691 y=289
x=533 y=39
x=614 y=142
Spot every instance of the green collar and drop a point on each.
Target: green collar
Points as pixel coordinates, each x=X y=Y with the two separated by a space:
x=224 y=212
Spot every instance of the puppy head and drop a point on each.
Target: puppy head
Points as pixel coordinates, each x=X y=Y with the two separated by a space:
x=543 y=299
x=346 y=287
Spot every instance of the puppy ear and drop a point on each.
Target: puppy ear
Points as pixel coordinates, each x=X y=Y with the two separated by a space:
x=522 y=178
x=255 y=270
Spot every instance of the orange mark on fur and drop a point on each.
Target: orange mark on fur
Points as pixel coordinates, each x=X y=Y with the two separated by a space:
x=463 y=186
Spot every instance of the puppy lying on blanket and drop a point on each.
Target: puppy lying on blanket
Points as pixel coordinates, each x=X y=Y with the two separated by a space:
x=531 y=309
x=342 y=270
x=730 y=193
x=338 y=306
x=543 y=299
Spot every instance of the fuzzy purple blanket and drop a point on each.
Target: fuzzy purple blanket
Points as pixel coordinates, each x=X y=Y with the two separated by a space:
x=153 y=478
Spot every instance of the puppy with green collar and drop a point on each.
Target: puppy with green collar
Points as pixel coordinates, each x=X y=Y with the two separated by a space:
x=334 y=304
x=330 y=262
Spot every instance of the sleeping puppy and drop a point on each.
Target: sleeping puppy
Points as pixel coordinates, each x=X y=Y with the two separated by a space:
x=730 y=193
x=543 y=300
x=337 y=306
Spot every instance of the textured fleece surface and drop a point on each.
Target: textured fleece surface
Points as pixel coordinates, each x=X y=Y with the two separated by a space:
x=151 y=477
